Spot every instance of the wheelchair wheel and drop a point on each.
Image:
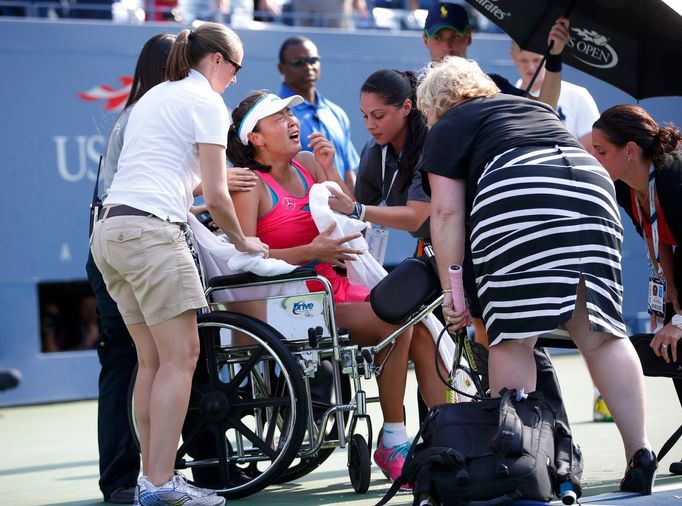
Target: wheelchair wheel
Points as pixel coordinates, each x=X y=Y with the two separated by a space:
x=246 y=420
x=359 y=464
x=303 y=466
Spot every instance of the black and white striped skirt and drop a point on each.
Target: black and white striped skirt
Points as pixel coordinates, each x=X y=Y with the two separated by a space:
x=542 y=219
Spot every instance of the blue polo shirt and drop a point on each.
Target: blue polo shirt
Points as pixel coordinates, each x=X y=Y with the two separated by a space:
x=328 y=118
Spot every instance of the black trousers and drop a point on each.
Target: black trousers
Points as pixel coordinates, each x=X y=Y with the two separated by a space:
x=119 y=457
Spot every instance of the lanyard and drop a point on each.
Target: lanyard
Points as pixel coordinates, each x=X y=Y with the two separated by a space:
x=653 y=217
x=384 y=149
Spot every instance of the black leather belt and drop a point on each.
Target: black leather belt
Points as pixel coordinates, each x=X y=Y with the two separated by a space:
x=123 y=210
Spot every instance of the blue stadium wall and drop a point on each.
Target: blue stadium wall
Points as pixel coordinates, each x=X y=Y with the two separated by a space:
x=52 y=140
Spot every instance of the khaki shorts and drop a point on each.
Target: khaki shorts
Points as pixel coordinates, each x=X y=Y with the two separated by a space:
x=147 y=267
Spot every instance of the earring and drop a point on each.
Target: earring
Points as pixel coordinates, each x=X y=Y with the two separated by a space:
x=629 y=160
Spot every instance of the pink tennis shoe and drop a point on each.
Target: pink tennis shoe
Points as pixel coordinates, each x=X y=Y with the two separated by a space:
x=391 y=460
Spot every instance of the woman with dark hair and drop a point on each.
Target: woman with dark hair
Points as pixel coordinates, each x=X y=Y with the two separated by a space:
x=390 y=192
x=645 y=162
x=388 y=185
x=175 y=139
x=545 y=240
x=119 y=457
x=264 y=136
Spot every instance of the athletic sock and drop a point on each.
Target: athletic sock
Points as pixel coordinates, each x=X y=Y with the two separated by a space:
x=394 y=434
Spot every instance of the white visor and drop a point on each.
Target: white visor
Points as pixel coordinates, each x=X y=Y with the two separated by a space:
x=264 y=107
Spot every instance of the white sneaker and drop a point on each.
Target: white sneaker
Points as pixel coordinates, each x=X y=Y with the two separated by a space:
x=176 y=491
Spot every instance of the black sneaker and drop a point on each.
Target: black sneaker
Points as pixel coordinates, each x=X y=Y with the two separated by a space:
x=122 y=495
x=641 y=473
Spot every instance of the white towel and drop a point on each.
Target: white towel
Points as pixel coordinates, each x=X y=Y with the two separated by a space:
x=219 y=257
x=365 y=270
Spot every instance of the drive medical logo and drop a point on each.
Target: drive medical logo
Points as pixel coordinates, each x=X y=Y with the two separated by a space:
x=592 y=49
x=114 y=98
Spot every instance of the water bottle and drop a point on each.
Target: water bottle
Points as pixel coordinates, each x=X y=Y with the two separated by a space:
x=566 y=493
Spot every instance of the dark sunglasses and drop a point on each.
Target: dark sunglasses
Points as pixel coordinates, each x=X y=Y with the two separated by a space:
x=299 y=62
x=237 y=67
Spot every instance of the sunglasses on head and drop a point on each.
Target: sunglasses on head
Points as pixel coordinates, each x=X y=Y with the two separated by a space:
x=299 y=62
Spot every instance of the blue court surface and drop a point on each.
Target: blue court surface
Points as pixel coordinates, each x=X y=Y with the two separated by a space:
x=48 y=453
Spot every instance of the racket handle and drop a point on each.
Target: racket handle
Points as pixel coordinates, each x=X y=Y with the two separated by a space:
x=455 y=274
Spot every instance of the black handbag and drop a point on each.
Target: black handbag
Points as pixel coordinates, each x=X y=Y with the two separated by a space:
x=653 y=365
x=413 y=283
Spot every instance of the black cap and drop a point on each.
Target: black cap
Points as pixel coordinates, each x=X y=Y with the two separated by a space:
x=446 y=15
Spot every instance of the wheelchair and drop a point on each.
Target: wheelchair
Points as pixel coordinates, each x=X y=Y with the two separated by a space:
x=251 y=420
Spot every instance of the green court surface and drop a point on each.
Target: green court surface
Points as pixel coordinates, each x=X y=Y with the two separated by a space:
x=48 y=453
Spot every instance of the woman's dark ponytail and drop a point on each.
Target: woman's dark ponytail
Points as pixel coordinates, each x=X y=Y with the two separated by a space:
x=667 y=144
x=416 y=134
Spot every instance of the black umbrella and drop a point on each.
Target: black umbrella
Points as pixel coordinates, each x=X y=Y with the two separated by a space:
x=635 y=45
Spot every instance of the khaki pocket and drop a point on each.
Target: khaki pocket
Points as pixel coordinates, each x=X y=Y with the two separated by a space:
x=122 y=235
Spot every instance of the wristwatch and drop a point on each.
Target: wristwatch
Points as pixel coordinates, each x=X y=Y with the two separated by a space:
x=677 y=321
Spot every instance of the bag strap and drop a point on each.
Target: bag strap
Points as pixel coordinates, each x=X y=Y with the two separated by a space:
x=404 y=475
x=95 y=192
x=667 y=446
x=509 y=435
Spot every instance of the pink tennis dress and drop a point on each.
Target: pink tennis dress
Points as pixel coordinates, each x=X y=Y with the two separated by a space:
x=289 y=224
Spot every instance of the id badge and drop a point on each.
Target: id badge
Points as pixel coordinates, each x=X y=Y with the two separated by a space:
x=656 y=296
x=377 y=242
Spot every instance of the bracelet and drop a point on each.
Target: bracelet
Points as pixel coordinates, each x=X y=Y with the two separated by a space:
x=358 y=212
x=447 y=290
x=553 y=63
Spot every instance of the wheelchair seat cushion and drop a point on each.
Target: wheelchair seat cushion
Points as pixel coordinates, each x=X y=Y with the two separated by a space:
x=412 y=284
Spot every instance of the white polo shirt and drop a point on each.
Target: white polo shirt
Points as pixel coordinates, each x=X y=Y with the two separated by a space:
x=159 y=163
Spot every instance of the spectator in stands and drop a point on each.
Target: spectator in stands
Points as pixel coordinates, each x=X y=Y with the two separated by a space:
x=119 y=456
x=143 y=229
x=328 y=13
x=299 y=64
x=90 y=9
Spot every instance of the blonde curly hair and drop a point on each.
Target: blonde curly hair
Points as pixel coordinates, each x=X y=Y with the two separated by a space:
x=449 y=82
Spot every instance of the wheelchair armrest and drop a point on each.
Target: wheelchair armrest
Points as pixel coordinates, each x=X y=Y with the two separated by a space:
x=248 y=278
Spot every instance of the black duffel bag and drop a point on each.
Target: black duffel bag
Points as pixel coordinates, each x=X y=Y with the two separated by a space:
x=488 y=452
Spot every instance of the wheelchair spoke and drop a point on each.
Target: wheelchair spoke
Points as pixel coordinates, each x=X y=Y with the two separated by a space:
x=245 y=370
x=253 y=437
x=187 y=439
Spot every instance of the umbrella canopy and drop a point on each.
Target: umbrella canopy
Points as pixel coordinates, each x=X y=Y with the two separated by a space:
x=635 y=45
